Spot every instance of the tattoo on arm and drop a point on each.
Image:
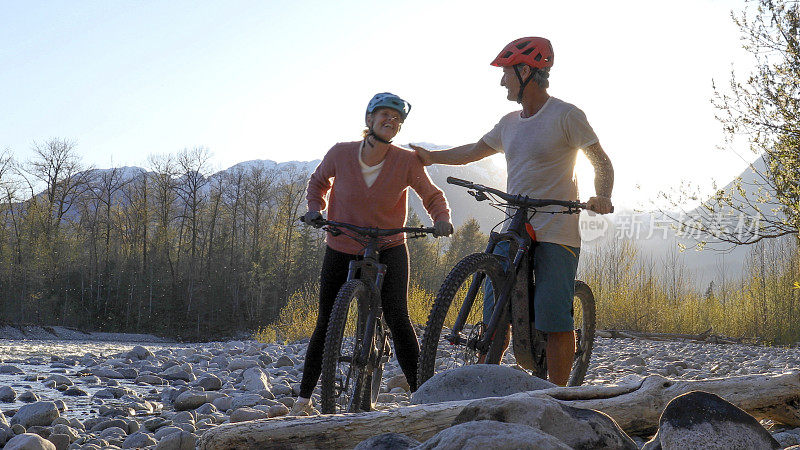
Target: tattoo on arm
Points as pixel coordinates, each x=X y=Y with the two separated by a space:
x=603 y=170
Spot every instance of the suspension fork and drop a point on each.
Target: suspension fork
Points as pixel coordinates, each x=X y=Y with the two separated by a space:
x=472 y=292
x=502 y=301
x=366 y=342
x=372 y=309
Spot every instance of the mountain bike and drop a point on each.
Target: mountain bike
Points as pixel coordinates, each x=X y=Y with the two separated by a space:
x=357 y=340
x=457 y=311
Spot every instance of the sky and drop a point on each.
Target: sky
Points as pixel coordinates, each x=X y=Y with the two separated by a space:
x=285 y=80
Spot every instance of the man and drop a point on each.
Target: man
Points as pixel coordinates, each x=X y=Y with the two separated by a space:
x=541 y=144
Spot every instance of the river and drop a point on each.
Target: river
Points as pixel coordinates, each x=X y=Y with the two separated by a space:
x=46 y=357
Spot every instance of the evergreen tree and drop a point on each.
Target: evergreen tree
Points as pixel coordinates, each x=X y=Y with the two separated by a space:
x=466 y=240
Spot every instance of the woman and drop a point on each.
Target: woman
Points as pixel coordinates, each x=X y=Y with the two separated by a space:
x=368 y=181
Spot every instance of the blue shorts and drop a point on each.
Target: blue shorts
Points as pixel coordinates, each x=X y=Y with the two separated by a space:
x=554 y=268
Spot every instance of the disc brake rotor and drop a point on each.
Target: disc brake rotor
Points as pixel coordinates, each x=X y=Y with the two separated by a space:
x=470 y=351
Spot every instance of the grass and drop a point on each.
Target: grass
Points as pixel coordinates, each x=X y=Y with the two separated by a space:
x=296 y=320
x=638 y=294
x=634 y=293
x=298 y=317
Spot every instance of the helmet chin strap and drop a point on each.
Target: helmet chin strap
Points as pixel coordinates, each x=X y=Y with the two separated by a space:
x=522 y=83
x=376 y=137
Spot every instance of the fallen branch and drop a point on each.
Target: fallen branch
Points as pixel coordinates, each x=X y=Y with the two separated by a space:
x=635 y=406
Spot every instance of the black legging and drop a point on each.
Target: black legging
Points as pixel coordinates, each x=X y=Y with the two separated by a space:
x=394 y=295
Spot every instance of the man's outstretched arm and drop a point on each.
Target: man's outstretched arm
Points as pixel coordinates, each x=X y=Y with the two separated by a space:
x=603 y=179
x=463 y=154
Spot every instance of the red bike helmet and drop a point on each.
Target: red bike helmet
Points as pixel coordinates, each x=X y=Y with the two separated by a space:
x=536 y=52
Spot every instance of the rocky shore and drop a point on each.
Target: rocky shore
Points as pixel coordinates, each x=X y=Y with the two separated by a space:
x=12 y=332
x=166 y=396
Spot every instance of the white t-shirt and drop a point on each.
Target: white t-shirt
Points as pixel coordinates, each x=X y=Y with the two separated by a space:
x=370 y=172
x=541 y=151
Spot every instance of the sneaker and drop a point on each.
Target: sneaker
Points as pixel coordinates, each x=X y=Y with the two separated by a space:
x=303 y=409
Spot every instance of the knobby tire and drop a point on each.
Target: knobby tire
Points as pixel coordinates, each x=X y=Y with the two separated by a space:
x=372 y=382
x=585 y=340
x=351 y=291
x=585 y=343
x=486 y=263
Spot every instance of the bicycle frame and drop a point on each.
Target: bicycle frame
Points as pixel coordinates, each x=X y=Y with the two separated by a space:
x=516 y=233
x=373 y=273
x=481 y=335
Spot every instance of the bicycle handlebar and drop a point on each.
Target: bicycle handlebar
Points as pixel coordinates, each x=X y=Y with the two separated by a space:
x=368 y=231
x=516 y=200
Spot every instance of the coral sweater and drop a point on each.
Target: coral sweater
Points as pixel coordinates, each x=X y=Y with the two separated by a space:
x=381 y=205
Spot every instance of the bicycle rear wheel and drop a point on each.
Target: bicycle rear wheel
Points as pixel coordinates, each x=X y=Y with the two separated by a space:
x=583 y=313
x=344 y=377
x=440 y=349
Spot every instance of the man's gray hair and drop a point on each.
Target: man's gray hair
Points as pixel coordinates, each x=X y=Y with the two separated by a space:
x=540 y=76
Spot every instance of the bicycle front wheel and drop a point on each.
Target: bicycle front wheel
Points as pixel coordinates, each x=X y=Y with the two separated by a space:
x=343 y=376
x=462 y=293
x=372 y=384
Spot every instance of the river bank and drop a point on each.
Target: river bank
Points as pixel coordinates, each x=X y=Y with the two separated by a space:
x=40 y=332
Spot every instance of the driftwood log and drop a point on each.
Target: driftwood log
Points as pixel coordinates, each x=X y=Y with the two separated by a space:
x=705 y=337
x=636 y=406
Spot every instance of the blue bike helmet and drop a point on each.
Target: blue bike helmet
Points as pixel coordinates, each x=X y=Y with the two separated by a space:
x=389 y=100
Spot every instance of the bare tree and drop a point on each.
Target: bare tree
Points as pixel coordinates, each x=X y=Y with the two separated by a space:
x=105 y=191
x=9 y=188
x=291 y=193
x=136 y=217
x=164 y=198
x=215 y=205
x=764 y=107
x=193 y=165
x=233 y=196
x=59 y=167
x=676 y=276
x=260 y=190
